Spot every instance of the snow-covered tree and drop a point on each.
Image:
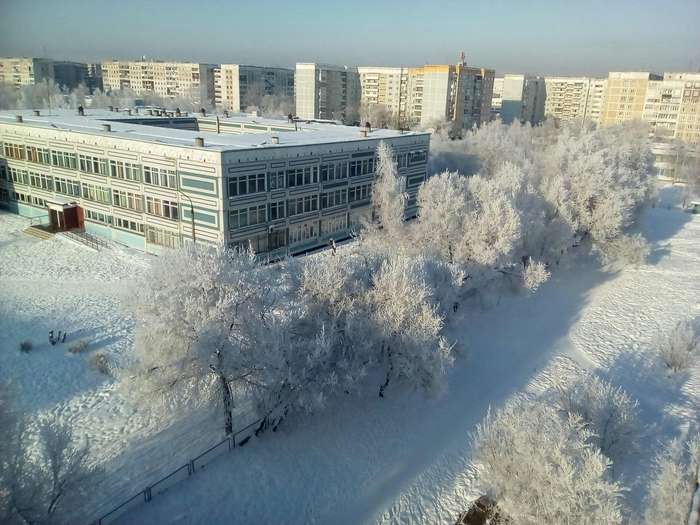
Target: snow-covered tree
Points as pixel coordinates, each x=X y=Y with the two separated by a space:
x=672 y=483
x=388 y=194
x=679 y=348
x=542 y=468
x=377 y=115
x=608 y=411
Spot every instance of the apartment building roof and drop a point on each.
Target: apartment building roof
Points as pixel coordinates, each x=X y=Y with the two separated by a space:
x=131 y=127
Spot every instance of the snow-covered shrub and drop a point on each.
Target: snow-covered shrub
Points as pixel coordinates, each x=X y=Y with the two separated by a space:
x=626 y=250
x=100 y=361
x=672 y=483
x=535 y=275
x=26 y=346
x=679 y=349
x=541 y=468
x=79 y=346
x=608 y=411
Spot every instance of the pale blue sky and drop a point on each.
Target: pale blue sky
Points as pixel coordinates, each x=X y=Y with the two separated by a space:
x=533 y=36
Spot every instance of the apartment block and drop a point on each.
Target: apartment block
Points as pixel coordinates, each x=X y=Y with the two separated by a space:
x=625 y=95
x=154 y=182
x=324 y=91
x=454 y=93
x=19 y=72
x=166 y=79
x=573 y=98
x=519 y=97
x=386 y=86
x=672 y=107
x=238 y=87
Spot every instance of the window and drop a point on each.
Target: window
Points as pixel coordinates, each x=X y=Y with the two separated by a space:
x=3 y=172
x=247 y=217
x=126 y=199
x=41 y=180
x=161 y=207
x=159 y=177
x=128 y=224
x=88 y=164
x=302 y=232
x=300 y=205
x=63 y=159
x=277 y=180
x=66 y=186
x=18 y=176
x=302 y=176
x=38 y=155
x=333 y=224
x=14 y=151
x=246 y=184
x=277 y=210
x=358 y=168
x=162 y=237
x=96 y=193
x=360 y=193
x=259 y=243
x=125 y=170
x=331 y=172
x=417 y=157
x=334 y=198
x=98 y=216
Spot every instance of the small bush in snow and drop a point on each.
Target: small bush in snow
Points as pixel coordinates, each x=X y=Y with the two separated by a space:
x=608 y=411
x=100 y=362
x=78 y=346
x=672 y=483
x=679 y=348
x=26 y=346
x=542 y=468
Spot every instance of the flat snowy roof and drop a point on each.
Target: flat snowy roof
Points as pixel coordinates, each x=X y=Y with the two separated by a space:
x=122 y=127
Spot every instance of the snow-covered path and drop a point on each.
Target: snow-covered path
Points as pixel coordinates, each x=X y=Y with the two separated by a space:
x=405 y=459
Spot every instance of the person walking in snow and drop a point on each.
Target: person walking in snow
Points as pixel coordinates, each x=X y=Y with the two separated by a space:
x=333 y=248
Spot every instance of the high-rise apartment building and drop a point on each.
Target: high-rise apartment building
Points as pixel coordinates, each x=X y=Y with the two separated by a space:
x=19 y=72
x=672 y=107
x=166 y=79
x=238 y=87
x=519 y=97
x=454 y=93
x=573 y=98
x=625 y=95
x=386 y=86
x=323 y=91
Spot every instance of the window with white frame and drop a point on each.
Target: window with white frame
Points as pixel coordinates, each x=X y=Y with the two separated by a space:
x=98 y=216
x=96 y=193
x=66 y=186
x=159 y=177
x=334 y=224
x=246 y=184
x=87 y=163
x=277 y=180
x=128 y=224
x=18 y=176
x=41 y=181
x=162 y=237
x=277 y=210
x=334 y=198
x=303 y=232
x=161 y=207
x=126 y=199
x=360 y=193
x=302 y=176
x=38 y=155
x=125 y=170
x=301 y=205
x=244 y=217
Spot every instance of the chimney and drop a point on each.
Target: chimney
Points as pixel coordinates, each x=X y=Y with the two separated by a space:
x=178 y=113
x=37 y=113
x=226 y=113
x=149 y=112
x=199 y=142
x=111 y=108
x=128 y=111
x=81 y=111
x=19 y=118
x=363 y=132
x=275 y=139
x=106 y=127
x=203 y=112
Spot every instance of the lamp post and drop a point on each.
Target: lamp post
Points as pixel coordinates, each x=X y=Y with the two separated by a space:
x=194 y=240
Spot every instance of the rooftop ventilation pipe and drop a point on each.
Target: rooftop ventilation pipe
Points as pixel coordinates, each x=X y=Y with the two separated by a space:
x=275 y=139
x=149 y=112
x=178 y=113
x=37 y=113
x=199 y=142
x=128 y=112
x=106 y=127
x=111 y=108
x=81 y=111
x=363 y=132
x=19 y=118
x=203 y=112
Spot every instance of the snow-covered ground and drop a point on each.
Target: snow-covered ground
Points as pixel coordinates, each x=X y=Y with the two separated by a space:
x=401 y=459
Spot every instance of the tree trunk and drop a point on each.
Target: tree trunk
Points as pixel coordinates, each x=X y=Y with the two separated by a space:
x=226 y=395
x=388 y=373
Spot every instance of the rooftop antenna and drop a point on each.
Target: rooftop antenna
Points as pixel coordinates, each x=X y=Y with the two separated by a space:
x=463 y=59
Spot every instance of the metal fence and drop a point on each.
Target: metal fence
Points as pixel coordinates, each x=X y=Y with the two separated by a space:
x=237 y=439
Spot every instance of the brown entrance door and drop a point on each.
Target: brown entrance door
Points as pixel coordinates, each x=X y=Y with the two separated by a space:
x=70 y=217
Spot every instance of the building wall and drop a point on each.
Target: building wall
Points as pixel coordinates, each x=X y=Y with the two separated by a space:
x=326 y=92
x=218 y=183
x=566 y=98
x=25 y=71
x=166 y=79
x=237 y=87
x=624 y=96
x=519 y=97
x=387 y=86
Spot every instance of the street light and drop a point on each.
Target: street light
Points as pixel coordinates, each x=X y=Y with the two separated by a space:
x=194 y=240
